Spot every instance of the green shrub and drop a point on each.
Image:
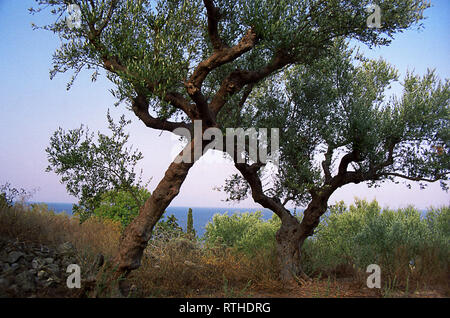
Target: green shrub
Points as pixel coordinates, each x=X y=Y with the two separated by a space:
x=400 y=241
x=246 y=232
x=167 y=228
x=121 y=205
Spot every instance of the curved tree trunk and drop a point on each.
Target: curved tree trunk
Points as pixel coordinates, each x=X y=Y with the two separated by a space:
x=138 y=232
x=289 y=241
x=291 y=236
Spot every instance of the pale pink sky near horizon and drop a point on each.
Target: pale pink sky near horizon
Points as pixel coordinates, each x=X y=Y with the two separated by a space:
x=33 y=107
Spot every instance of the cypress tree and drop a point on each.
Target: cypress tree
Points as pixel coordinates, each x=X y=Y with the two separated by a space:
x=190 y=223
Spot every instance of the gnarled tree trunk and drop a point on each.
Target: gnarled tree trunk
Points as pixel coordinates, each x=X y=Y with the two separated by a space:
x=138 y=232
x=289 y=241
x=291 y=236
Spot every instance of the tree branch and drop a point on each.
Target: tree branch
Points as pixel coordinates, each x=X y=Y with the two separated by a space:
x=326 y=164
x=250 y=174
x=140 y=108
x=213 y=24
x=394 y=174
x=353 y=156
x=238 y=79
x=221 y=56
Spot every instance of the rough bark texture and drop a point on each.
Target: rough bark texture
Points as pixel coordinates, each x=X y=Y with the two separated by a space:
x=137 y=234
x=291 y=236
x=289 y=241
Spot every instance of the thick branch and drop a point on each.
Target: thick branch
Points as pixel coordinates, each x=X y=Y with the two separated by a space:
x=219 y=58
x=326 y=164
x=175 y=99
x=353 y=156
x=250 y=174
x=140 y=108
x=238 y=79
x=213 y=24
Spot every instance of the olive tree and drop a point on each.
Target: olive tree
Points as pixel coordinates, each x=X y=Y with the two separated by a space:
x=92 y=169
x=339 y=126
x=176 y=61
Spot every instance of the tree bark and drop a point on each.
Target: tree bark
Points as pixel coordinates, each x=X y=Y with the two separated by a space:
x=137 y=234
x=289 y=242
x=291 y=236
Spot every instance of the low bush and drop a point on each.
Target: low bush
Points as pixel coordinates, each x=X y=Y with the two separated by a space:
x=408 y=246
x=246 y=232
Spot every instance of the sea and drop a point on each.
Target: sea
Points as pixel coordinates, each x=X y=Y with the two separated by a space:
x=201 y=215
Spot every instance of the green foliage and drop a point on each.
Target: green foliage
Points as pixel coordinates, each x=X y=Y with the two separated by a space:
x=247 y=232
x=353 y=236
x=337 y=106
x=167 y=228
x=90 y=168
x=365 y=234
x=121 y=205
x=190 y=224
x=160 y=42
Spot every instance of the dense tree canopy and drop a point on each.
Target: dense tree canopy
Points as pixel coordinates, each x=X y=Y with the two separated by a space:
x=338 y=126
x=176 y=61
x=164 y=55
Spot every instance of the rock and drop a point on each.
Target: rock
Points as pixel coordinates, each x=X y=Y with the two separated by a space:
x=3 y=289
x=14 y=267
x=53 y=268
x=37 y=263
x=26 y=281
x=4 y=283
x=6 y=267
x=27 y=269
x=66 y=249
x=13 y=289
x=51 y=281
x=32 y=271
x=42 y=275
x=67 y=260
x=14 y=256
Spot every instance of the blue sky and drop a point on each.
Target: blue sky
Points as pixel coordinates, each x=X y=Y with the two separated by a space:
x=32 y=107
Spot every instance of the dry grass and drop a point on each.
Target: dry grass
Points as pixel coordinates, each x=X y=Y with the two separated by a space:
x=170 y=267
x=40 y=225
x=181 y=267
